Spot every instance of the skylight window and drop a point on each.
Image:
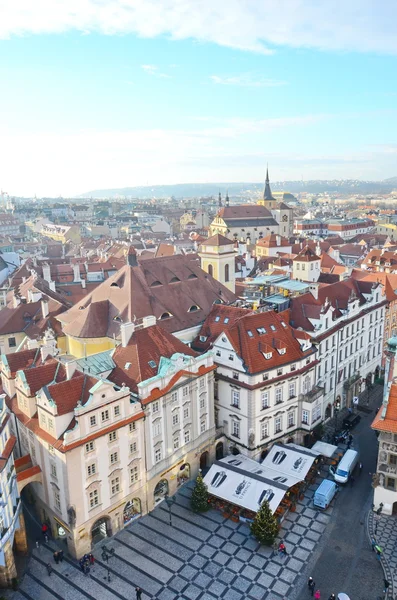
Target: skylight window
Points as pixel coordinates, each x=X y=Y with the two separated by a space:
x=152 y=364
x=272 y=327
x=250 y=334
x=226 y=320
x=261 y=330
x=283 y=324
x=217 y=319
x=193 y=308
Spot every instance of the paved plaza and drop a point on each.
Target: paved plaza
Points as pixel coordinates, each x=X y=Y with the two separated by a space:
x=199 y=557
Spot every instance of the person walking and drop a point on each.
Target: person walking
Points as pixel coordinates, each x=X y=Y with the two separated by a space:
x=386 y=586
x=317 y=595
x=373 y=544
x=378 y=551
x=49 y=569
x=282 y=550
x=56 y=557
x=138 y=593
x=92 y=559
x=332 y=597
x=60 y=555
x=311 y=585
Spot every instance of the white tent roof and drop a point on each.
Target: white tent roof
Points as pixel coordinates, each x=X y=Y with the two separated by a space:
x=325 y=449
x=246 y=483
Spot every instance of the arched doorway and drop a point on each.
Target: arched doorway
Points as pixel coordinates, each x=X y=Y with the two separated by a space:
x=204 y=460
x=219 y=451
x=160 y=490
x=132 y=510
x=183 y=474
x=328 y=411
x=100 y=530
x=377 y=373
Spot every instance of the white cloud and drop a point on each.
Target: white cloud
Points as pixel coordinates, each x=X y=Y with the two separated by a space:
x=247 y=80
x=154 y=70
x=255 y=25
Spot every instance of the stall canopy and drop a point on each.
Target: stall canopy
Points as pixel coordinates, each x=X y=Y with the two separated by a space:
x=325 y=449
x=246 y=483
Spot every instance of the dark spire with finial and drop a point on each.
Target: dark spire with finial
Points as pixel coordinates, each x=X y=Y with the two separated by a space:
x=267 y=194
x=227 y=198
x=219 y=200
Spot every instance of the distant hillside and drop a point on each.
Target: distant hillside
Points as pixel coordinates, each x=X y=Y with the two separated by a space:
x=188 y=190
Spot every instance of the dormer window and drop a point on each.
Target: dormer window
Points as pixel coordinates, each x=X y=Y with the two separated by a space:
x=217 y=319
x=261 y=330
x=192 y=276
x=281 y=350
x=203 y=338
x=175 y=280
x=193 y=308
x=165 y=315
x=268 y=355
x=156 y=283
x=272 y=327
x=250 y=334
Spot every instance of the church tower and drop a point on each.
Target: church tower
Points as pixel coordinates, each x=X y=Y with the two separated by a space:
x=217 y=257
x=267 y=199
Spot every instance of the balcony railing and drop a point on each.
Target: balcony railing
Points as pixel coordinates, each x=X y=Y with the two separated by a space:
x=349 y=382
x=313 y=394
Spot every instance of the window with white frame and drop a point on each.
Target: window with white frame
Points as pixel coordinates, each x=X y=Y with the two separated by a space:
x=306 y=383
x=175 y=418
x=292 y=389
x=185 y=391
x=203 y=425
x=305 y=417
x=236 y=429
x=202 y=382
x=236 y=398
x=115 y=485
x=105 y=416
x=132 y=427
x=279 y=395
x=50 y=423
x=157 y=455
x=91 y=469
x=114 y=457
x=264 y=430
x=316 y=413
x=186 y=412
x=112 y=436
x=43 y=420
x=94 y=498
x=57 y=499
x=156 y=428
x=235 y=375
x=133 y=447
x=176 y=442
x=89 y=447
x=92 y=420
x=265 y=399
x=277 y=425
x=155 y=407
x=186 y=436
x=53 y=470
x=290 y=419
x=174 y=397
x=51 y=449
x=116 y=411
x=134 y=475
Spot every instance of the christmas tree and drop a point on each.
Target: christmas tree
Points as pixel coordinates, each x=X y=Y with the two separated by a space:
x=265 y=526
x=199 y=499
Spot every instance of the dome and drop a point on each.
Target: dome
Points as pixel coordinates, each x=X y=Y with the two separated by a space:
x=392 y=343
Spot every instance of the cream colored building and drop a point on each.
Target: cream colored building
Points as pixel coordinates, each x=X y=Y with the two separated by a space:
x=218 y=258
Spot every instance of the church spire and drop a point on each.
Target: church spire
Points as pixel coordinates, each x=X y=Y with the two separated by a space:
x=227 y=198
x=220 y=200
x=267 y=193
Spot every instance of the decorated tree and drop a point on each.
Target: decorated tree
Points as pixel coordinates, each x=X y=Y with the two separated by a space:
x=265 y=526
x=199 y=499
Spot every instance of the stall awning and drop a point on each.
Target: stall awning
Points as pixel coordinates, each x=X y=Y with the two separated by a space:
x=325 y=449
x=246 y=483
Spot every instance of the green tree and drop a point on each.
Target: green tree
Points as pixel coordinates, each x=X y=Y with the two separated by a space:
x=199 y=499
x=265 y=526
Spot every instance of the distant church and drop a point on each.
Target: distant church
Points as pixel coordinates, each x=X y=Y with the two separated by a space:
x=251 y=222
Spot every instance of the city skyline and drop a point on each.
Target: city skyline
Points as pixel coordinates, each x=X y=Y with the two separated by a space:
x=135 y=93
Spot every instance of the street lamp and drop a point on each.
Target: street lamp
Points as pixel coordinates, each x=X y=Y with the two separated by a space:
x=170 y=501
x=336 y=411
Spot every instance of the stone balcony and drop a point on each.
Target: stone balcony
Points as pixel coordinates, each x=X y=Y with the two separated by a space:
x=313 y=395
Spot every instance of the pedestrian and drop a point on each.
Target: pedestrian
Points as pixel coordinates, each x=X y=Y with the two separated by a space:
x=86 y=568
x=49 y=569
x=92 y=559
x=373 y=544
x=317 y=595
x=386 y=586
x=60 y=555
x=311 y=585
x=332 y=597
x=282 y=550
x=56 y=557
x=138 y=592
x=378 y=551
x=37 y=544
x=44 y=529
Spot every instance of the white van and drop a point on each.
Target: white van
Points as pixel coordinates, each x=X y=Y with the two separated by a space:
x=325 y=493
x=345 y=467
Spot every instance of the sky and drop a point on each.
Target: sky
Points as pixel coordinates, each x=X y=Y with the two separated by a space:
x=101 y=94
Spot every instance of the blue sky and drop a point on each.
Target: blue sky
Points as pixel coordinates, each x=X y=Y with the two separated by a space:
x=105 y=93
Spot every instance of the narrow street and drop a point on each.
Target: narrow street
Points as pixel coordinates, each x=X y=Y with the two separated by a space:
x=346 y=562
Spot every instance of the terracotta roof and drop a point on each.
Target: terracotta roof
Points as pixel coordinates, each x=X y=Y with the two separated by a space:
x=68 y=393
x=23 y=359
x=306 y=255
x=351 y=250
x=273 y=241
x=220 y=318
x=42 y=375
x=389 y=280
x=327 y=262
x=174 y=289
x=244 y=211
x=254 y=335
x=217 y=240
x=389 y=422
x=306 y=307
x=165 y=250
x=7 y=451
x=140 y=359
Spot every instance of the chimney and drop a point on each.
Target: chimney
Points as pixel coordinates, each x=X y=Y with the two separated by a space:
x=83 y=284
x=16 y=301
x=70 y=368
x=278 y=240
x=76 y=273
x=149 y=321
x=51 y=285
x=314 y=291
x=44 y=308
x=131 y=257
x=126 y=331
x=47 y=272
x=45 y=352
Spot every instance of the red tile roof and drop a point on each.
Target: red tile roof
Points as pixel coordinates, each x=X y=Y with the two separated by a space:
x=389 y=422
x=146 y=346
x=220 y=318
x=244 y=211
x=23 y=359
x=273 y=241
x=217 y=240
x=306 y=255
x=42 y=375
x=68 y=393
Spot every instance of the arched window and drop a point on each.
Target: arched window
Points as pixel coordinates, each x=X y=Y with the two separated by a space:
x=226 y=272
x=210 y=270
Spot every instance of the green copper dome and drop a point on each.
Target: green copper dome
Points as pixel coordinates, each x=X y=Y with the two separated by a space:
x=392 y=343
